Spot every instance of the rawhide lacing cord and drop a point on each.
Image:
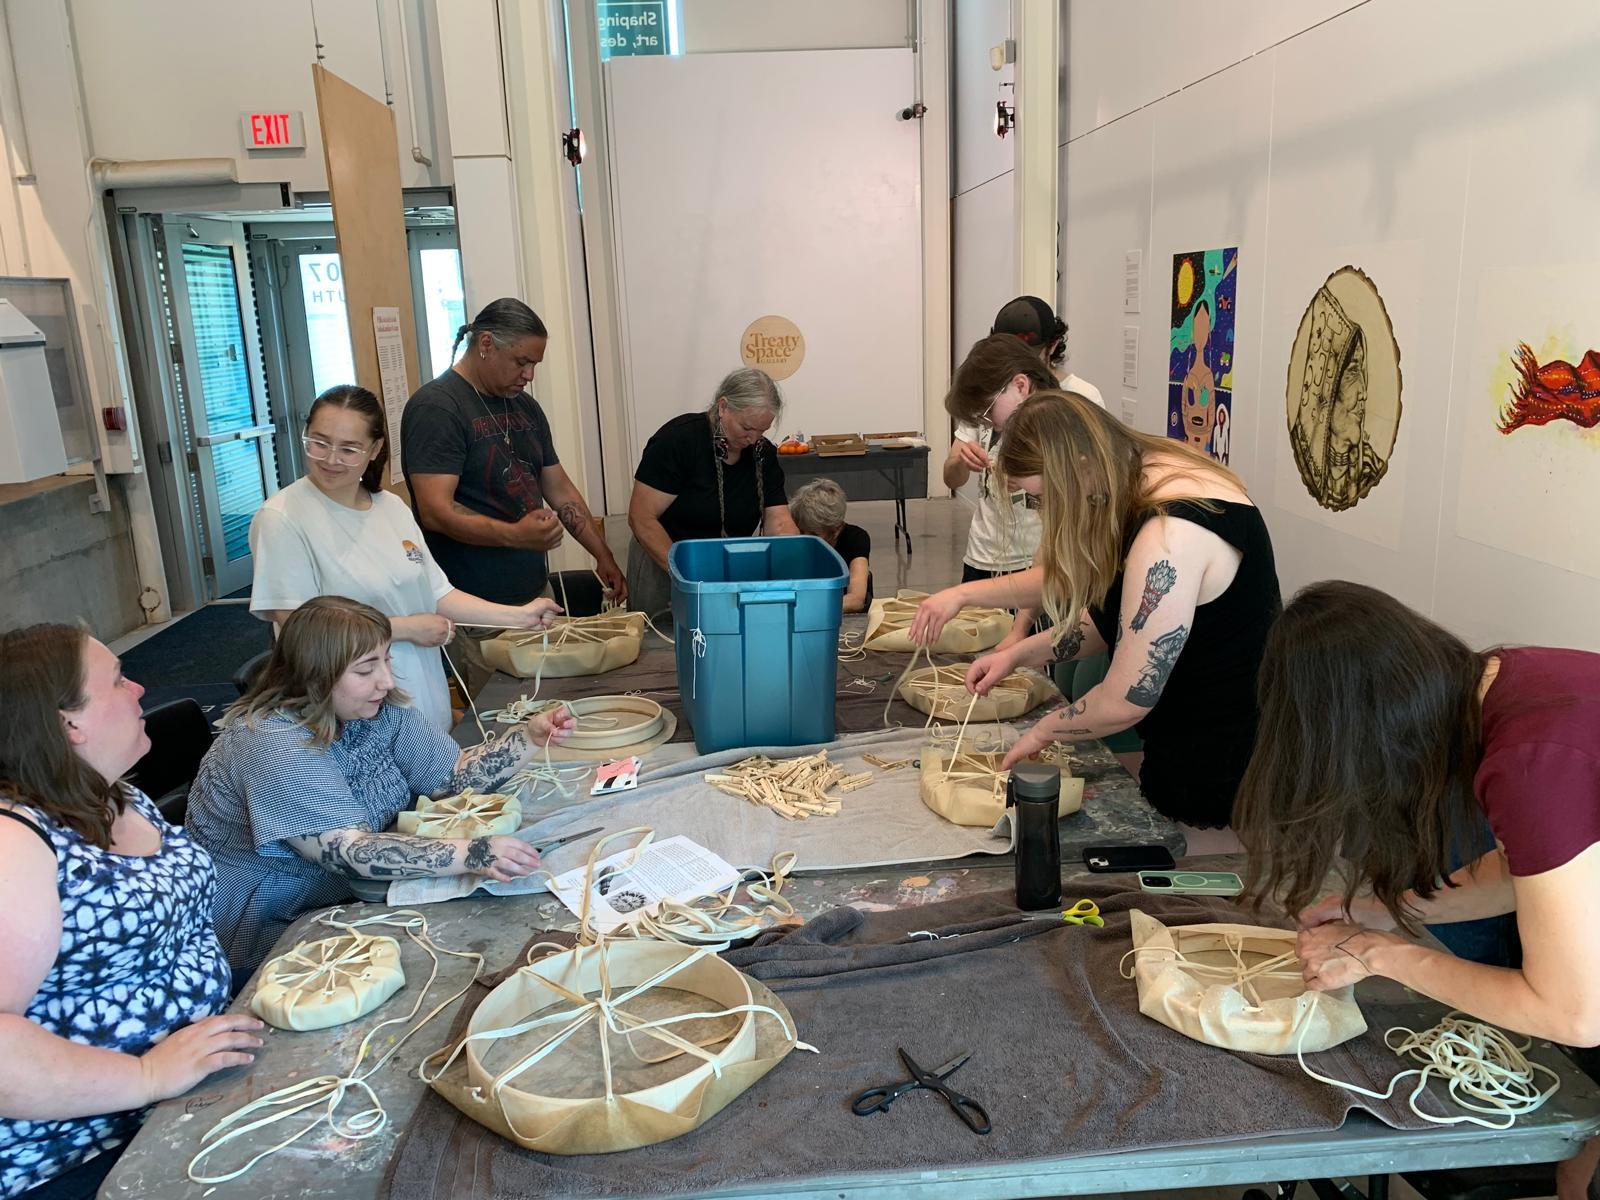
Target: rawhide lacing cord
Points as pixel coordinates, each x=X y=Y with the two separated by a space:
x=329 y=1091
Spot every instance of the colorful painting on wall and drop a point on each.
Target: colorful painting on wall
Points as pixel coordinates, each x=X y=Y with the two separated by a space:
x=1527 y=374
x=1343 y=393
x=1200 y=363
x=1552 y=391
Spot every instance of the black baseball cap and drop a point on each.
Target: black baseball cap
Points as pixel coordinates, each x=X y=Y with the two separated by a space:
x=1028 y=318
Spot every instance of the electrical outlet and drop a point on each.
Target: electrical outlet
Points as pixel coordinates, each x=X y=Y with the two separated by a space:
x=1130 y=409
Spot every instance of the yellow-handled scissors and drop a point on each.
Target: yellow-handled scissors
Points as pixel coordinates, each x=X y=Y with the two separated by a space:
x=1084 y=912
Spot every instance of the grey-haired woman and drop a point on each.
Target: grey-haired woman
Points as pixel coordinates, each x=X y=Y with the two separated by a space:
x=708 y=474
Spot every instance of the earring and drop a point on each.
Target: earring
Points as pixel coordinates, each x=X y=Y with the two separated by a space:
x=483 y=354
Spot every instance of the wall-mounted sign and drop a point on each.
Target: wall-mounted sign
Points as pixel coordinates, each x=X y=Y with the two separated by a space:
x=774 y=344
x=632 y=27
x=273 y=130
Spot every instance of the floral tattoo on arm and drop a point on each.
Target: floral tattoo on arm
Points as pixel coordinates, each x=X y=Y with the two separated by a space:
x=482 y=767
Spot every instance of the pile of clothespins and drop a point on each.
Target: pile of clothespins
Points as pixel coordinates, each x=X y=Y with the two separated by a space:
x=794 y=788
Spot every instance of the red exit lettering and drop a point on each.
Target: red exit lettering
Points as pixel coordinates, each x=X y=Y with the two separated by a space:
x=269 y=129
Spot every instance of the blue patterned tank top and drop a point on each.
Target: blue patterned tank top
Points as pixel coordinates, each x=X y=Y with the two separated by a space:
x=138 y=959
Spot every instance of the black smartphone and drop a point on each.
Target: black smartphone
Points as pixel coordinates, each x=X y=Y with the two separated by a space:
x=1127 y=859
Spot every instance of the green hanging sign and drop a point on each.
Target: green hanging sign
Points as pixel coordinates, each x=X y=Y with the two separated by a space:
x=632 y=27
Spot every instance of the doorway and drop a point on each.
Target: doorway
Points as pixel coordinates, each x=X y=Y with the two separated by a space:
x=237 y=322
x=220 y=388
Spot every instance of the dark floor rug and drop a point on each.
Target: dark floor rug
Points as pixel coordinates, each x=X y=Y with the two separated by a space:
x=204 y=648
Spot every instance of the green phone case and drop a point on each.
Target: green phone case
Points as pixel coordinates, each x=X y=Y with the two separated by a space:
x=1192 y=883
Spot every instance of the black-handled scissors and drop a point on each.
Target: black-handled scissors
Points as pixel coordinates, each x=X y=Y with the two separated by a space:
x=879 y=1099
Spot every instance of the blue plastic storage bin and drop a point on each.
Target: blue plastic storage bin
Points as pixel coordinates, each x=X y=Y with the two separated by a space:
x=763 y=669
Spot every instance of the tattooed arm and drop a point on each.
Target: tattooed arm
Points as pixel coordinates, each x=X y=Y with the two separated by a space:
x=359 y=853
x=1168 y=560
x=483 y=768
x=563 y=496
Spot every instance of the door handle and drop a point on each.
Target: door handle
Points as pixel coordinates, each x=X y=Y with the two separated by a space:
x=248 y=434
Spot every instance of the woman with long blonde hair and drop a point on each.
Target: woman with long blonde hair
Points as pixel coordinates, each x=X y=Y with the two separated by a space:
x=296 y=798
x=1186 y=632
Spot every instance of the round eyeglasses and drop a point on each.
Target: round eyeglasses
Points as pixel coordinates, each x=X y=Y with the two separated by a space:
x=344 y=456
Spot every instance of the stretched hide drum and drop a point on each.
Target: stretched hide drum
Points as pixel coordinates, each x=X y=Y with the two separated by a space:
x=972 y=631
x=469 y=815
x=967 y=787
x=1238 y=987
x=613 y=1046
x=571 y=646
x=328 y=982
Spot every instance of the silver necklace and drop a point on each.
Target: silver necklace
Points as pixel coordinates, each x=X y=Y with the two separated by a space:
x=502 y=423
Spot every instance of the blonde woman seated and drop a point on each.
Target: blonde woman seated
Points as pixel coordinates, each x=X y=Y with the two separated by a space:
x=296 y=798
x=818 y=510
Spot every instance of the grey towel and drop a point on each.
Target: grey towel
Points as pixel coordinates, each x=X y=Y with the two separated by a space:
x=1061 y=1058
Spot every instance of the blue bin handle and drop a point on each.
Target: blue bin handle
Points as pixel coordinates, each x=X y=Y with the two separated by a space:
x=786 y=596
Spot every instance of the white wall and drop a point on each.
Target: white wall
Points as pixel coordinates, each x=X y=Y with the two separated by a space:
x=1439 y=147
x=715 y=26
x=984 y=216
x=169 y=78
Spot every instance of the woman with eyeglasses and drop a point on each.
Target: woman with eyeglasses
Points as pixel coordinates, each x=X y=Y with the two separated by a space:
x=337 y=532
x=1021 y=355
x=706 y=474
x=1154 y=551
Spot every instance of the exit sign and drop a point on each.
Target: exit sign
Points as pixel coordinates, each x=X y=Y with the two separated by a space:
x=633 y=27
x=273 y=130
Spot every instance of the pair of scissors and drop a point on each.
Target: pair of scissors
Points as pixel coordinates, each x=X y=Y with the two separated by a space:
x=549 y=844
x=879 y=1099
x=1084 y=912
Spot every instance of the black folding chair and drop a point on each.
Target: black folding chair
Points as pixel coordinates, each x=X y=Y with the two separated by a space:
x=180 y=734
x=245 y=676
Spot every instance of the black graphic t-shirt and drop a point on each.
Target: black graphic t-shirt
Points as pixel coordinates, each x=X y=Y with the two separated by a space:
x=496 y=448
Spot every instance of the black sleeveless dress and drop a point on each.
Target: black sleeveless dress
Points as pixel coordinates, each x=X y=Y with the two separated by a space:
x=1198 y=737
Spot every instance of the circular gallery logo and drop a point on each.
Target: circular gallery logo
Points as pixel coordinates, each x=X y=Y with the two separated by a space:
x=774 y=344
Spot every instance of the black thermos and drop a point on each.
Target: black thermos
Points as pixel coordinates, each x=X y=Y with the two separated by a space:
x=1034 y=791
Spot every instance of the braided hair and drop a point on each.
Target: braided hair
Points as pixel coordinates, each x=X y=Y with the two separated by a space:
x=505 y=320
x=744 y=389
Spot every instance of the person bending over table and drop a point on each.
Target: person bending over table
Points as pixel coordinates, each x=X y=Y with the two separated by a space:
x=991 y=382
x=708 y=474
x=1383 y=738
x=337 y=532
x=818 y=509
x=1154 y=551
x=297 y=796
x=114 y=986
x=486 y=486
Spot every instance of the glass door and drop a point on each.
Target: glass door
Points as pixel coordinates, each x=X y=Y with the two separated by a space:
x=221 y=385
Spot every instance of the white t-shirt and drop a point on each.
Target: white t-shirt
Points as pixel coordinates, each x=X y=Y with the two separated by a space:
x=1004 y=534
x=306 y=545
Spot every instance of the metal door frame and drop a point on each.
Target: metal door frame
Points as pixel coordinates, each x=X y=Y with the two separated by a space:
x=223 y=576
x=418 y=239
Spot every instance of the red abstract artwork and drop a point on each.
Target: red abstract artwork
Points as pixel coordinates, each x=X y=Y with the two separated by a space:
x=1554 y=391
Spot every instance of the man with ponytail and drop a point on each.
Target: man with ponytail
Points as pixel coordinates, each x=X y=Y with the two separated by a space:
x=487 y=486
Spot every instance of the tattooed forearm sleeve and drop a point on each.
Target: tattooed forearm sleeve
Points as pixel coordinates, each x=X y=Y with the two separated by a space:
x=363 y=855
x=482 y=767
x=1158 y=666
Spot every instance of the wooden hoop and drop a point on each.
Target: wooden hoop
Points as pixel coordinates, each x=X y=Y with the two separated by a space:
x=653 y=720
